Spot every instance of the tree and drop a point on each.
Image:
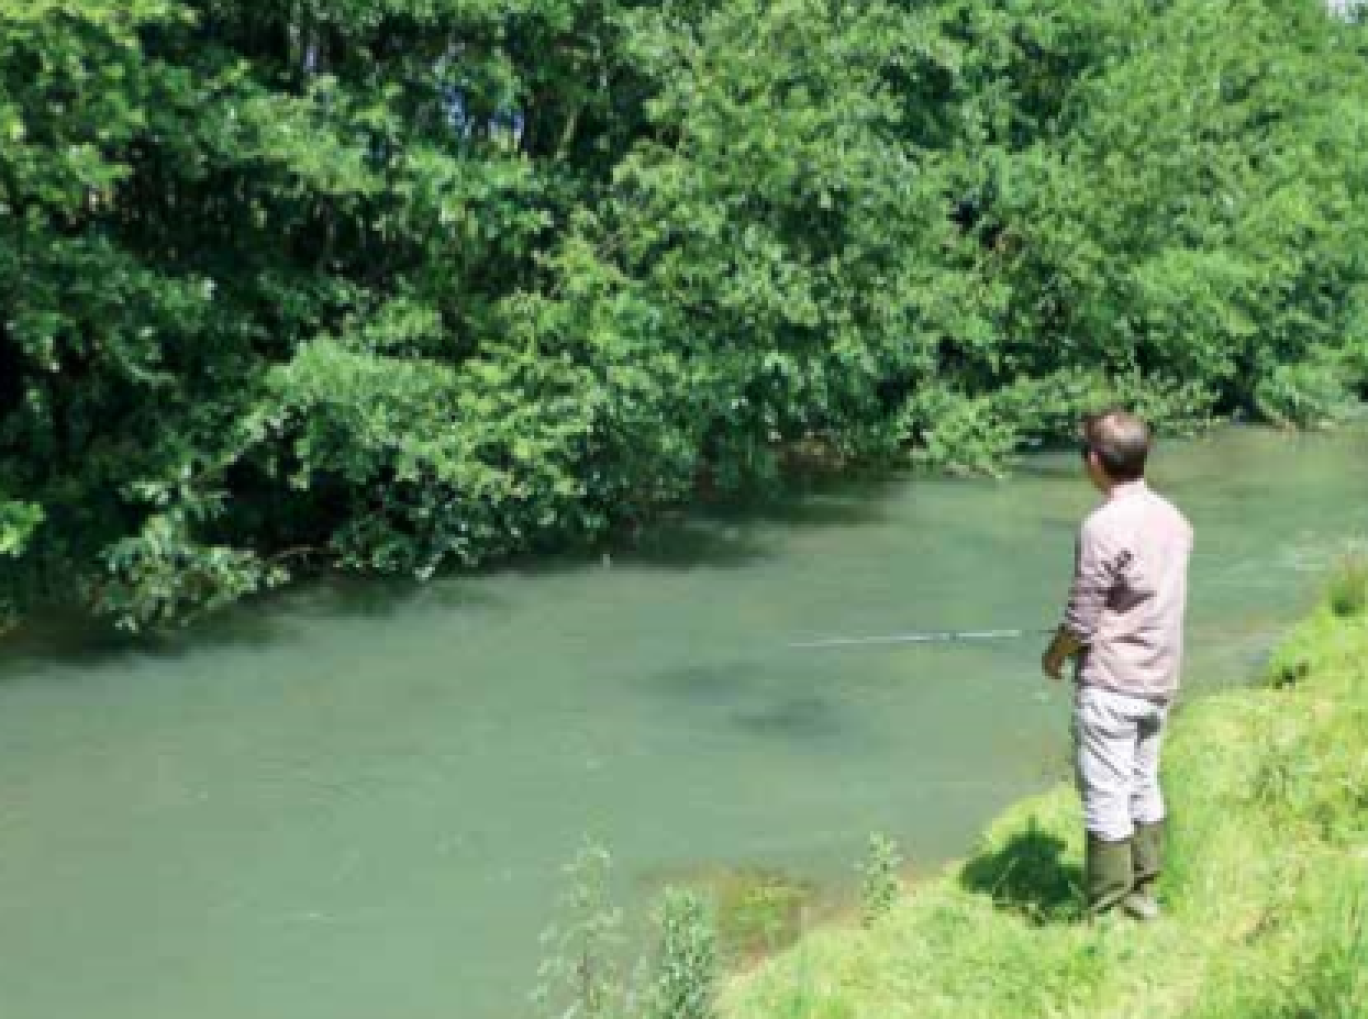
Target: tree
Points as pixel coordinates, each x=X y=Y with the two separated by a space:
x=396 y=284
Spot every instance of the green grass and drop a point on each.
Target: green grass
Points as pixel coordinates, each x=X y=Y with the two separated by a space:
x=1347 y=590
x=1266 y=892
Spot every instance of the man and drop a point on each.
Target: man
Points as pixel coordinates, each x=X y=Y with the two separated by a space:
x=1124 y=627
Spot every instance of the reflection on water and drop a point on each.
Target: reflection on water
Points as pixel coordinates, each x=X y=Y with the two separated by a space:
x=353 y=799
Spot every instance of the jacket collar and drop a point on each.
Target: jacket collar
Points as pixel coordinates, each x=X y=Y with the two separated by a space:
x=1126 y=489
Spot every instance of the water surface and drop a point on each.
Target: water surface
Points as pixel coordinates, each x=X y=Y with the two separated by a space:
x=353 y=801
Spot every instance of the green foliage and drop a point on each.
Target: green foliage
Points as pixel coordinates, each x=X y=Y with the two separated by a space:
x=1308 y=394
x=686 y=969
x=1347 y=590
x=880 y=879
x=581 y=973
x=401 y=284
x=162 y=577
x=955 y=432
x=761 y=911
x=18 y=521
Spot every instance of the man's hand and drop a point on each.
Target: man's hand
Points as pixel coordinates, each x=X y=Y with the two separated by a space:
x=1064 y=646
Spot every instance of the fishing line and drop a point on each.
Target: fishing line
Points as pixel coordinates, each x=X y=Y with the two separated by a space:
x=931 y=637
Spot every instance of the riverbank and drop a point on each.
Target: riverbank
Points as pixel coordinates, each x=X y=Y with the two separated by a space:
x=1266 y=892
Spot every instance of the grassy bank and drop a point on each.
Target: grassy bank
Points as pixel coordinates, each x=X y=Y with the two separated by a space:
x=1266 y=893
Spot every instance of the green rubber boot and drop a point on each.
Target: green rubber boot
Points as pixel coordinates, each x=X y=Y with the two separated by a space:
x=1108 y=877
x=1147 y=857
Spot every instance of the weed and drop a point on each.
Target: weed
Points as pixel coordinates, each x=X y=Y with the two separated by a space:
x=580 y=977
x=686 y=968
x=880 y=885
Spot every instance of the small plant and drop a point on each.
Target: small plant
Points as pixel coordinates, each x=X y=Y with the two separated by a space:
x=686 y=970
x=1348 y=587
x=760 y=911
x=580 y=977
x=880 y=884
x=1286 y=672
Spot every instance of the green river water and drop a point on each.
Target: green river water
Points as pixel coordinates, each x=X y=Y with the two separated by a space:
x=353 y=801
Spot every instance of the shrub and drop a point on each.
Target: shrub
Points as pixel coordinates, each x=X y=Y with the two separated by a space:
x=880 y=884
x=1312 y=394
x=954 y=432
x=686 y=969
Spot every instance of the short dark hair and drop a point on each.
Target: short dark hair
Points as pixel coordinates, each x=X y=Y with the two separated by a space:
x=1121 y=441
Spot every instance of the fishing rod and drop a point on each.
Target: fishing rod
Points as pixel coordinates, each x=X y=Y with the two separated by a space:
x=931 y=637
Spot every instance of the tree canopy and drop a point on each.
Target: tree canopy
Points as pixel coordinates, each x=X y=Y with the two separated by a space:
x=390 y=285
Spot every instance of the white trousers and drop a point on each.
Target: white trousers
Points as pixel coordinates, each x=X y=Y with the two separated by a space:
x=1117 y=739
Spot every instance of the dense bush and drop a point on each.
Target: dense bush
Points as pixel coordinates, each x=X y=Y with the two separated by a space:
x=405 y=283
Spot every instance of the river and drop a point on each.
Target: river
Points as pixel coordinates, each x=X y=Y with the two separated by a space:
x=354 y=800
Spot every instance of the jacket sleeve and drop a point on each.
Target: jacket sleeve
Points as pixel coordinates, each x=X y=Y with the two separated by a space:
x=1098 y=566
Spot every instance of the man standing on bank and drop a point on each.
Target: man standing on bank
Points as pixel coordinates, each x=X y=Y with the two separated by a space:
x=1124 y=628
